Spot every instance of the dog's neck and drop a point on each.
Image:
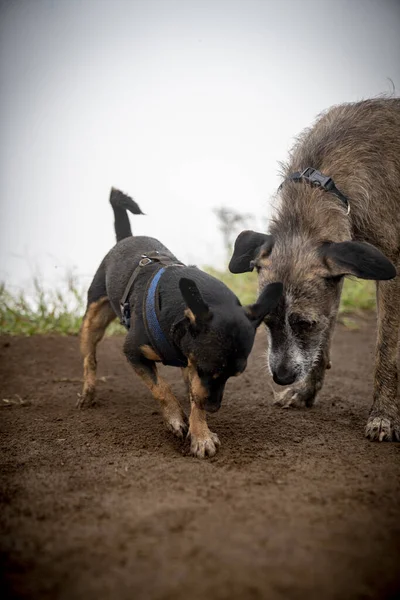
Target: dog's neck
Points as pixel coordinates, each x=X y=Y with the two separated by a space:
x=310 y=213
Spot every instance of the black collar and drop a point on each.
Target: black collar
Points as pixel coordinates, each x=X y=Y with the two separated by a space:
x=318 y=179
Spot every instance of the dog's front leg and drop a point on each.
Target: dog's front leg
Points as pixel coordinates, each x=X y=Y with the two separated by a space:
x=174 y=417
x=203 y=442
x=384 y=420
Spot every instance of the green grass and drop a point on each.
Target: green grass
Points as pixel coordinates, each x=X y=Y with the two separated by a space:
x=50 y=311
x=357 y=296
x=45 y=311
x=244 y=285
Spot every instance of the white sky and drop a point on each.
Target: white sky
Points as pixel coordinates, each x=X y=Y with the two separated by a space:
x=184 y=104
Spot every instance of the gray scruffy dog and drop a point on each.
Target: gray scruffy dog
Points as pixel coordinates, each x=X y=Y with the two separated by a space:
x=338 y=215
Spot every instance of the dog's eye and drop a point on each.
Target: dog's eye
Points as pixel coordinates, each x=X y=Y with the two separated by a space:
x=301 y=325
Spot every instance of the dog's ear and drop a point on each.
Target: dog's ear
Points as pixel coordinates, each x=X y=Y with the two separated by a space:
x=247 y=246
x=357 y=258
x=267 y=301
x=197 y=310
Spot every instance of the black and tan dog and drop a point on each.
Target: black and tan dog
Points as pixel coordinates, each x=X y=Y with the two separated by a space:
x=339 y=214
x=175 y=314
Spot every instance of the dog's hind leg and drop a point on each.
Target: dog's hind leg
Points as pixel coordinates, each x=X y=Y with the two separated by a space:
x=384 y=419
x=99 y=315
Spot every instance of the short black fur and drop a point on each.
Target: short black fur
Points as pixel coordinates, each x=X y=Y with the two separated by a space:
x=247 y=246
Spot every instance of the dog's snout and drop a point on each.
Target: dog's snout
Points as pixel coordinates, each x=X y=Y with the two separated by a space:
x=213 y=402
x=284 y=376
x=212 y=406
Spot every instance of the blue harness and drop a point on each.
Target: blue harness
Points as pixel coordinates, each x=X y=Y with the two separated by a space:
x=169 y=353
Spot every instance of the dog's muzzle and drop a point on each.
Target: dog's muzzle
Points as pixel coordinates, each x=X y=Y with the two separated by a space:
x=212 y=406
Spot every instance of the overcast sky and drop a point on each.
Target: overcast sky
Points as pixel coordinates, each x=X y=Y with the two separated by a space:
x=186 y=105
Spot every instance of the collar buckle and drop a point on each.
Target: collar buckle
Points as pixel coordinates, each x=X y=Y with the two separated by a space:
x=317 y=179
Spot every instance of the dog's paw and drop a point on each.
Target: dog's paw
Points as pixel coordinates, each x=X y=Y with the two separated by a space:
x=294 y=398
x=85 y=399
x=383 y=429
x=203 y=446
x=177 y=425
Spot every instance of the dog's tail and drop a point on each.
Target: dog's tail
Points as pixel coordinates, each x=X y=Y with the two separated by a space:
x=120 y=203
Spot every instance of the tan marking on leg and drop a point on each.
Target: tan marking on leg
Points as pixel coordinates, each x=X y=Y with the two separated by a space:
x=203 y=442
x=149 y=353
x=174 y=417
x=198 y=421
x=196 y=389
x=98 y=316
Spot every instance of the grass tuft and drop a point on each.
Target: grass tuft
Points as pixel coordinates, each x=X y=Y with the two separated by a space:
x=44 y=311
x=358 y=295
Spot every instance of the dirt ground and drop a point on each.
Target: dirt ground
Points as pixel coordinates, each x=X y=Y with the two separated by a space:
x=105 y=504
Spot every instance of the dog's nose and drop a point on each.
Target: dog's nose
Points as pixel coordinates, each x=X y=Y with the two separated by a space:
x=212 y=406
x=283 y=376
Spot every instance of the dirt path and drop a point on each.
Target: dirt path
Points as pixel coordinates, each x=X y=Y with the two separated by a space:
x=105 y=504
